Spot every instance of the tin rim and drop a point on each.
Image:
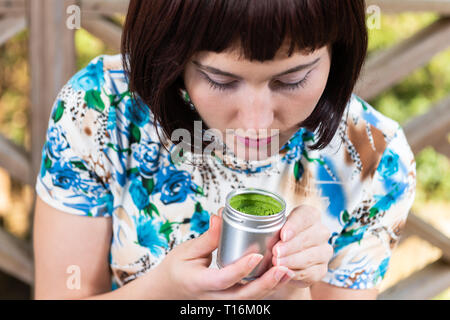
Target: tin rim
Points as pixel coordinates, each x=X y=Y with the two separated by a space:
x=271 y=194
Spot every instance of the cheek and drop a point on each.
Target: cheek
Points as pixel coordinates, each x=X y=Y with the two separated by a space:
x=211 y=108
x=303 y=104
x=214 y=110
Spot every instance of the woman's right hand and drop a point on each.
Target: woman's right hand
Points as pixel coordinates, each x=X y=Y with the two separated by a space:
x=184 y=272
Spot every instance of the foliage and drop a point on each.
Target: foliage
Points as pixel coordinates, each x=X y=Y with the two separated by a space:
x=433 y=176
x=14 y=89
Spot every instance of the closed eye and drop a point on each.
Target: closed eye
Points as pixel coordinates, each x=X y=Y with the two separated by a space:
x=278 y=85
x=217 y=85
x=293 y=86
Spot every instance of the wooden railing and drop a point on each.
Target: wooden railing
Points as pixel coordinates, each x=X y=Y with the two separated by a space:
x=52 y=62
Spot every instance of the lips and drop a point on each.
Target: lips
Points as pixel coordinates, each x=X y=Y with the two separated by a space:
x=249 y=142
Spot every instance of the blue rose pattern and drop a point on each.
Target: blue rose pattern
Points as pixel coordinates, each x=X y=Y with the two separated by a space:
x=200 y=220
x=174 y=185
x=56 y=143
x=147 y=155
x=139 y=194
x=89 y=78
x=137 y=113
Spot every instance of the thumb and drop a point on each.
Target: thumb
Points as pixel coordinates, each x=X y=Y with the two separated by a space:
x=208 y=241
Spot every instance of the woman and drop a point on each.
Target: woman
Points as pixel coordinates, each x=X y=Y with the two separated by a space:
x=261 y=75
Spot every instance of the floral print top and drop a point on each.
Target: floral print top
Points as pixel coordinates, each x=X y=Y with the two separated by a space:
x=103 y=158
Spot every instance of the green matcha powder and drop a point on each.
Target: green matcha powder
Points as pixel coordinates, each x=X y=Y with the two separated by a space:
x=255 y=204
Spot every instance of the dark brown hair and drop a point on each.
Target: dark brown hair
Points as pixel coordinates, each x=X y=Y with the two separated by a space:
x=160 y=36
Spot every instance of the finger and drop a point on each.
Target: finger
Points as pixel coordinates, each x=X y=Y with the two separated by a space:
x=301 y=218
x=311 y=237
x=308 y=276
x=285 y=280
x=207 y=242
x=219 y=213
x=221 y=279
x=306 y=258
x=264 y=285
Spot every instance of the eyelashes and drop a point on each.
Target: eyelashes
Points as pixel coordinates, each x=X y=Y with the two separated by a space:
x=302 y=83
x=278 y=86
x=219 y=86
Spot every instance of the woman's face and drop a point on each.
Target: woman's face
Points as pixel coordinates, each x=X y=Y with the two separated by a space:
x=255 y=105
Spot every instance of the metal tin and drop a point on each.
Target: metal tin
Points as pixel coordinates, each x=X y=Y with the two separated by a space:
x=243 y=233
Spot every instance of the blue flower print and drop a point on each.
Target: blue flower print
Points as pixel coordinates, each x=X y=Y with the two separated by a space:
x=64 y=176
x=137 y=113
x=200 y=219
x=174 y=185
x=56 y=143
x=294 y=146
x=149 y=235
x=349 y=237
x=389 y=164
x=139 y=194
x=104 y=204
x=89 y=78
x=147 y=155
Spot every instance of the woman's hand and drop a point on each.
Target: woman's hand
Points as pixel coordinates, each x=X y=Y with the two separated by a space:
x=304 y=247
x=184 y=272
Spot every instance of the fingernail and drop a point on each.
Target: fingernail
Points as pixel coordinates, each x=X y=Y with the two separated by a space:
x=288 y=276
x=279 y=274
x=290 y=273
x=254 y=260
x=278 y=251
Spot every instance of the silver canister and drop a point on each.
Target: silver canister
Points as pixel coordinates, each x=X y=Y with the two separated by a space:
x=244 y=233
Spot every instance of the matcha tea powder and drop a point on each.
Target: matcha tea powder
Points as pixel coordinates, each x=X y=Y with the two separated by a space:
x=256 y=204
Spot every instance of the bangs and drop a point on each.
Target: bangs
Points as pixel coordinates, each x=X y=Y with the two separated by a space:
x=259 y=28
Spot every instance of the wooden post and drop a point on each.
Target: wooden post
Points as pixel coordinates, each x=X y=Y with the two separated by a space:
x=52 y=62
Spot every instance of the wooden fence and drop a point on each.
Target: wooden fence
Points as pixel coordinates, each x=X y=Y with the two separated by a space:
x=52 y=62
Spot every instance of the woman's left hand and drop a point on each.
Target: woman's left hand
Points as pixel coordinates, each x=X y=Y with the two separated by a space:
x=304 y=247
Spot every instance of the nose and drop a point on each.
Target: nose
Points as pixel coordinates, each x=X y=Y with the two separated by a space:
x=257 y=113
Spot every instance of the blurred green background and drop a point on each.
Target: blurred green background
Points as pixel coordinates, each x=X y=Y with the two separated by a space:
x=412 y=97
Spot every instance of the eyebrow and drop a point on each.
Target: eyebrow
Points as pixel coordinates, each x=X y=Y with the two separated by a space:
x=227 y=74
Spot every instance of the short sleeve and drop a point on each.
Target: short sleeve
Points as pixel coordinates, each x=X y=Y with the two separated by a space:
x=68 y=179
x=363 y=249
